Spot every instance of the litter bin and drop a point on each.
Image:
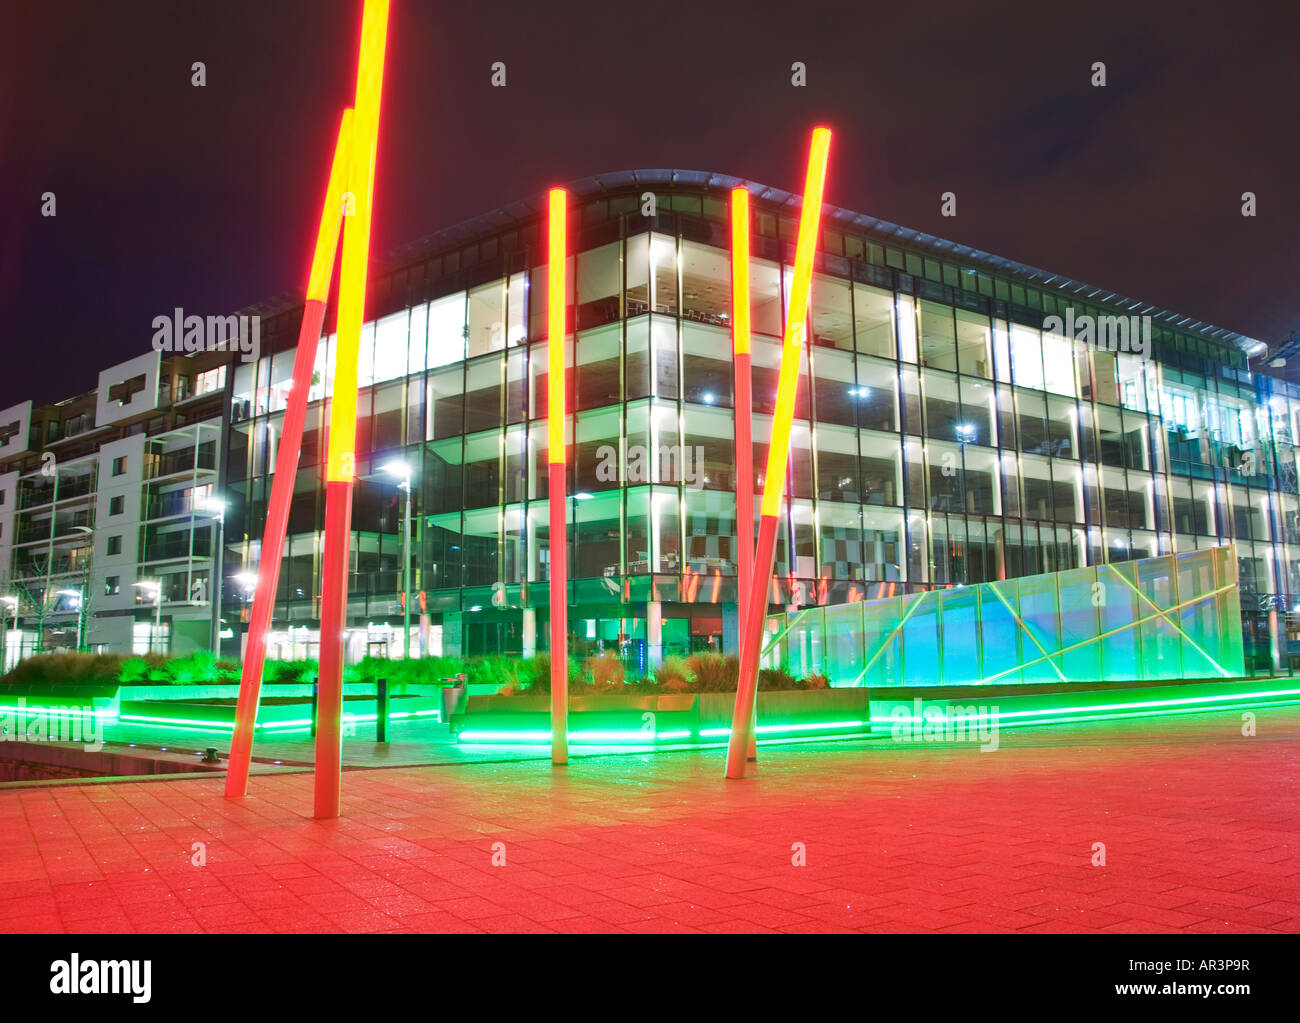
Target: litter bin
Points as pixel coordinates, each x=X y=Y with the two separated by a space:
x=454 y=697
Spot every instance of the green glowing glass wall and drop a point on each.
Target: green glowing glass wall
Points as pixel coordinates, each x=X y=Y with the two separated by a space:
x=1165 y=618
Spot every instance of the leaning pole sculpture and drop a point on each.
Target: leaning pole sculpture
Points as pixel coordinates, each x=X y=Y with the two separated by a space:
x=796 y=324
x=286 y=465
x=341 y=465
x=740 y=345
x=556 y=457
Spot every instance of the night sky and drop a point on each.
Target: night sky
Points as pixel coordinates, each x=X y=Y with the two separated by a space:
x=206 y=198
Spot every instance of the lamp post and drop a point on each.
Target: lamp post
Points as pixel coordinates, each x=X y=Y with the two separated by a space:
x=402 y=470
x=218 y=509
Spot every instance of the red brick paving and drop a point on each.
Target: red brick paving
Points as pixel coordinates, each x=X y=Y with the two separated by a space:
x=1199 y=823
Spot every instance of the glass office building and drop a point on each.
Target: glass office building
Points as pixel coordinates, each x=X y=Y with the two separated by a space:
x=949 y=431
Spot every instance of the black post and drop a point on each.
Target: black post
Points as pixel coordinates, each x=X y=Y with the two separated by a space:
x=381 y=711
x=315 y=696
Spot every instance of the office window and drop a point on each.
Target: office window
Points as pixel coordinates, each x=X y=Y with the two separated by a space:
x=114 y=545
x=112 y=585
x=119 y=465
x=116 y=505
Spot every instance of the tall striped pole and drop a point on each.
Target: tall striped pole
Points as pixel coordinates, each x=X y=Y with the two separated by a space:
x=556 y=483
x=286 y=466
x=740 y=341
x=341 y=465
x=778 y=452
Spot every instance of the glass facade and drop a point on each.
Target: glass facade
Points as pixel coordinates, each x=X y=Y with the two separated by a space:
x=947 y=433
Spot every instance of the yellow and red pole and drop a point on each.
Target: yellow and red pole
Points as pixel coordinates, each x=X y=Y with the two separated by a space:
x=740 y=342
x=556 y=482
x=341 y=464
x=286 y=465
x=796 y=325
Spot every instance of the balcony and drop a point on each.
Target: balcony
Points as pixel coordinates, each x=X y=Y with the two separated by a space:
x=32 y=532
x=79 y=486
x=32 y=494
x=177 y=545
x=161 y=506
x=173 y=463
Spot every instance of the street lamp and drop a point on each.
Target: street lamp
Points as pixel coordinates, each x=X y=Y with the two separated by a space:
x=403 y=471
x=217 y=508
x=156 y=586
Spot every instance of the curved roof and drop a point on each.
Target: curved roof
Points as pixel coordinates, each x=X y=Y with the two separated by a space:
x=621 y=181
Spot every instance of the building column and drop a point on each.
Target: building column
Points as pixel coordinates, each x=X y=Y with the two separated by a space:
x=730 y=629
x=1277 y=639
x=654 y=632
x=530 y=632
x=453 y=633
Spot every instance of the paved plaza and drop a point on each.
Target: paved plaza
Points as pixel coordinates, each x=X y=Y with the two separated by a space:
x=1198 y=824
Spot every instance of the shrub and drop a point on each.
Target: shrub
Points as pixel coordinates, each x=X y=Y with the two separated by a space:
x=816 y=681
x=444 y=667
x=492 y=670
x=606 y=672
x=531 y=669
x=290 y=671
x=198 y=668
x=674 y=674
x=66 y=669
x=541 y=675
x=776 y=679
x=714 y=673
x=142 y=669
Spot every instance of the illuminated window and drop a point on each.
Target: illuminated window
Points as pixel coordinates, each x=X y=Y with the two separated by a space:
x=210 y=380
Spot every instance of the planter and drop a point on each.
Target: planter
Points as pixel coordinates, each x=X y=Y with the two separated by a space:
x=676 y=719
x=273 y=718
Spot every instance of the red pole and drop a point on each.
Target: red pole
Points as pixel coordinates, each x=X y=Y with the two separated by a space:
x=778 y=452
x=286 y=468
x=333 y=623
x=556 y=495
x=740 y=335
x=341 y=463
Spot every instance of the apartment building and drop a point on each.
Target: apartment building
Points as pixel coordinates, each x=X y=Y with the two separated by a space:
x=109 y=528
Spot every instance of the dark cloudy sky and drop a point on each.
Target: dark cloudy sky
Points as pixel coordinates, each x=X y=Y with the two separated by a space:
x=170 y=195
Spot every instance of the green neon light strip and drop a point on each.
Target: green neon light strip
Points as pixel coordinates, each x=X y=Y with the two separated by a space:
x=1083 y=717
x=1179 y=702
x=781 y=729
x=213 y=726
x=542 y=737
x=291 y=725
x=1065 y=715
x=178 y=728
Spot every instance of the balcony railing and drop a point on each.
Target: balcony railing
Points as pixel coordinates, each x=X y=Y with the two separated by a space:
x=178 y=462
x=177 y=546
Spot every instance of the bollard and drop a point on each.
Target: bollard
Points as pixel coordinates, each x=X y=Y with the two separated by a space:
x=381 y=711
